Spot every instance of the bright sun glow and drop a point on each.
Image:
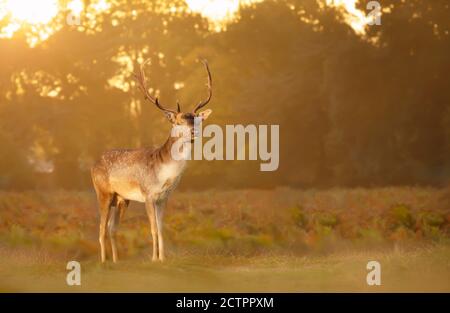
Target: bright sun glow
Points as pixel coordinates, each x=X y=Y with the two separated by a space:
x=76 y=6
x=221 y=12
x=354 y=17
x=218 y=12
x=38 y=15
x=31 y=11
x=214 y=9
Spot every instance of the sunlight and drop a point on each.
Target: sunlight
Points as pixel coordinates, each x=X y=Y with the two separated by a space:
x=354 y=17
x=76 y=6
x=40 y=17
x=101 y=5
x=218 y=12
x=222 y=12
x=31 y=11
x=35 y=15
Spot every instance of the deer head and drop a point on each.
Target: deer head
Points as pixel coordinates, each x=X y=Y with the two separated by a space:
x=178 y=118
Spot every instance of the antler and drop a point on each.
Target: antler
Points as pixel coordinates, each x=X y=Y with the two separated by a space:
x=142 y=84
x=205 y=102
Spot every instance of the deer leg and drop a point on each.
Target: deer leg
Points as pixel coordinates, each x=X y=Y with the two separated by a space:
x=112 y=229
x=150 y=208
x=116 y=216
x=105 y=206
x=159 y=207
x=122 y=209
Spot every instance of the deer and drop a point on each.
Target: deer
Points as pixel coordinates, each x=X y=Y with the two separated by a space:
x=144 y=174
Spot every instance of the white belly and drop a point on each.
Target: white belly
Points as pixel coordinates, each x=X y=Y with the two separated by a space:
x=165 y=181
x=134 y=195
x=128 y=191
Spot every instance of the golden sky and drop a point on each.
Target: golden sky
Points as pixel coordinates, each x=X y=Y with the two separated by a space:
x=37 y=15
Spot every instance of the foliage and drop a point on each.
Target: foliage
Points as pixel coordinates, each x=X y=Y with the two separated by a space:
x=352 y=111
x=244 y=223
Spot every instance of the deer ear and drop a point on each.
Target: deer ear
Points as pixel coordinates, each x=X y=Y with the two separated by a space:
x=204 y=114
x=170 y=116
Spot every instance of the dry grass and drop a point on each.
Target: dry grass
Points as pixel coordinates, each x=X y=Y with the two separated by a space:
x=422 y=269
x=267 y=240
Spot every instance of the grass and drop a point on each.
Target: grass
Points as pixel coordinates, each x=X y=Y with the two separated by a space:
x=424 y=269
x=244 y=240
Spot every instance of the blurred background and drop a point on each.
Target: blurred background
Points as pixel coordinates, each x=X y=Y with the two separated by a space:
x=364 y=115
x=357 y=105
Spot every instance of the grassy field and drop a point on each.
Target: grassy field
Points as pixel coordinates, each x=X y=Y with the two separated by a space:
x=244 y=240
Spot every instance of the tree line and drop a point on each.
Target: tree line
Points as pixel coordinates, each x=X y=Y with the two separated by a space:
x=353 y=110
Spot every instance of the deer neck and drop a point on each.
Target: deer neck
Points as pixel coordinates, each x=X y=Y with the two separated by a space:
x=170 y=169
x=166 y=151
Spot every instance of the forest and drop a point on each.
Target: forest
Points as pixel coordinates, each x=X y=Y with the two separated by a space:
x=355 y=109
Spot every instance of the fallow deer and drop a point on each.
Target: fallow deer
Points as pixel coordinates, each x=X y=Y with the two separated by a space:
x=144 y=175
